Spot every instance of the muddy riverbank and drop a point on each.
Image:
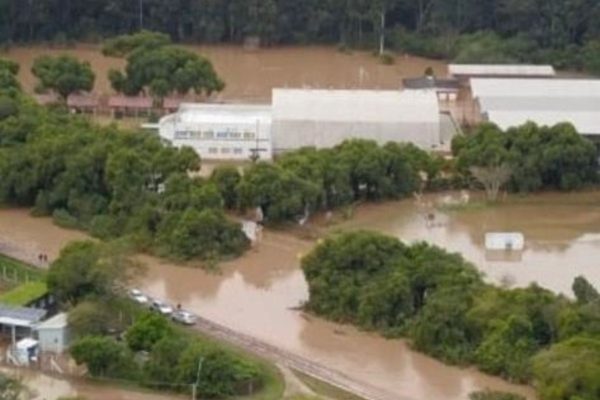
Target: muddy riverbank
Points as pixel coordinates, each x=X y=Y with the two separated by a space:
x=251 y=75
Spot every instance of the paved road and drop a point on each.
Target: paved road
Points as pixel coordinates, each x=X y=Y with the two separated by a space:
x=280 y=356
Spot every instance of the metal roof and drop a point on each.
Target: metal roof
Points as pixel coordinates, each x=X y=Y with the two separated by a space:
x=513 y=102
x=20 y=316
x=355 y=105
x=194 y=113
x=59 y=321
x=431 y=82
x=558 y=88
x=501 y=70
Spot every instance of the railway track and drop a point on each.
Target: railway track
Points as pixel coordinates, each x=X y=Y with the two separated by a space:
x=293 y=361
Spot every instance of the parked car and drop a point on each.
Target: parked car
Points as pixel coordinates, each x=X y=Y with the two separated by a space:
x=138 y=296
x=161 y=307
x=184 y=317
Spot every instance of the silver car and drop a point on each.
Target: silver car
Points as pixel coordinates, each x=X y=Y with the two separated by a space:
x=161 y=307
x=138 y=296
x=184 y=317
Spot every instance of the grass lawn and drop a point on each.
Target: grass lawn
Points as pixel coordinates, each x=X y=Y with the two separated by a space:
x=323 y=389
x=24 y=294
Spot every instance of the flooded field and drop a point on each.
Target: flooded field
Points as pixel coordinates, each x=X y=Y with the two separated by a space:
x=258 y=293
x=45 y=387
x=250 y=75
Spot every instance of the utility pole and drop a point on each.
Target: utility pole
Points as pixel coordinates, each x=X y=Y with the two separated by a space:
x=141 y=15
x=382 y=32
x=195 y=385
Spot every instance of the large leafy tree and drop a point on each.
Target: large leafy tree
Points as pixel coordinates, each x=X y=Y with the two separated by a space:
x=159 y=69
x=63 y=75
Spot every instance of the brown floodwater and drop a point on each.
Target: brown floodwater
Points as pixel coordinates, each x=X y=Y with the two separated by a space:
x=46 y=387
x=258 y=293
x=250 y=75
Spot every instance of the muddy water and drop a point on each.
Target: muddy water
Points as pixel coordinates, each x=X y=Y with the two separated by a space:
x=562 y=236
x=250 y=75
x=257 y=293
x=45 y=387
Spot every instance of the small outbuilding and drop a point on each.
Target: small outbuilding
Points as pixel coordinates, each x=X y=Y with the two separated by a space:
x=445 y=89
x=53 y=334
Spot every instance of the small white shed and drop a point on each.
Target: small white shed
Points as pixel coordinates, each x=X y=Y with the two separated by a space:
x=53 y=334
x=504 y=241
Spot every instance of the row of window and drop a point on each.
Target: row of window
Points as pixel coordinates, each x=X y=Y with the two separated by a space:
x=226 y=135
x=225 y=150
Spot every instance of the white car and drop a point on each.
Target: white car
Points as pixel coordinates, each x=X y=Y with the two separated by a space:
x=184 y=317
x=161 y=307
x=138 y=296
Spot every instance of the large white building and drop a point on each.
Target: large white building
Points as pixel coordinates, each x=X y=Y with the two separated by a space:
x=304 y=117
x=220 y=131
x=513 y=102
x=325 y=118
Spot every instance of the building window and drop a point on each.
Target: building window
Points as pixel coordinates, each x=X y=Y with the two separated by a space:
x=208 y=135
x=222 y=135
x=238 y=150
x=213 y=150
x=235 y=135
x=225 y=150
x=249 y=135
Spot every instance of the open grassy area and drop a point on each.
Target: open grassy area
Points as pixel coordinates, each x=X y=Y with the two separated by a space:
x=24 y=294
x=323 y=389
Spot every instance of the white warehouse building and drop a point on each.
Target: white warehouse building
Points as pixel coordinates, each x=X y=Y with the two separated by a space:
x=325 y=118
x=513 y=102
x=220 y=131
x=305 y=117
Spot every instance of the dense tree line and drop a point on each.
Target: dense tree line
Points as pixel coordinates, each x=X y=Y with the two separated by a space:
x=441 y=303
x=112 y=183
x=90 y=278
x=563 y=32
x=537 y=157
x=309 y=180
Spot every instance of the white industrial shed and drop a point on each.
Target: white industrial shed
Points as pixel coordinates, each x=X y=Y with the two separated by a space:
x=220 y=131
x=500 y=70
x=513 y=102
x=325 y=118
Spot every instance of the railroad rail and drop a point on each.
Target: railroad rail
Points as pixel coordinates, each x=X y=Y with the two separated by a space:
x=292 y=361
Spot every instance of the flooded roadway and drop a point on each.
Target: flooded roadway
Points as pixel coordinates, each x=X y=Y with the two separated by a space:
x=257 y=293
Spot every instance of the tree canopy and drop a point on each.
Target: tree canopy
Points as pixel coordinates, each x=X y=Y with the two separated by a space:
x=563 y=33
x=63 y=75
x=155 y=67
x=440 y=302
x=113 y=183
x=538 y=157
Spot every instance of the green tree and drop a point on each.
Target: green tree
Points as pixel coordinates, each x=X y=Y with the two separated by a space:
x=10 y=388
x=146 y=331
x=155 y=67
x=104 y=357
x=88 y=269
x=569 y=370
x=63 y=75
x=227 y=178
x=584 y=291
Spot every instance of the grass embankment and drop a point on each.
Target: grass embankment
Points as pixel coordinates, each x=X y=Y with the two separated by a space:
x=323 y=389
x=24 y=294
x=24 y=283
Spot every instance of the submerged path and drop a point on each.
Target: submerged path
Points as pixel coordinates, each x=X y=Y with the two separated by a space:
x=292 y=361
